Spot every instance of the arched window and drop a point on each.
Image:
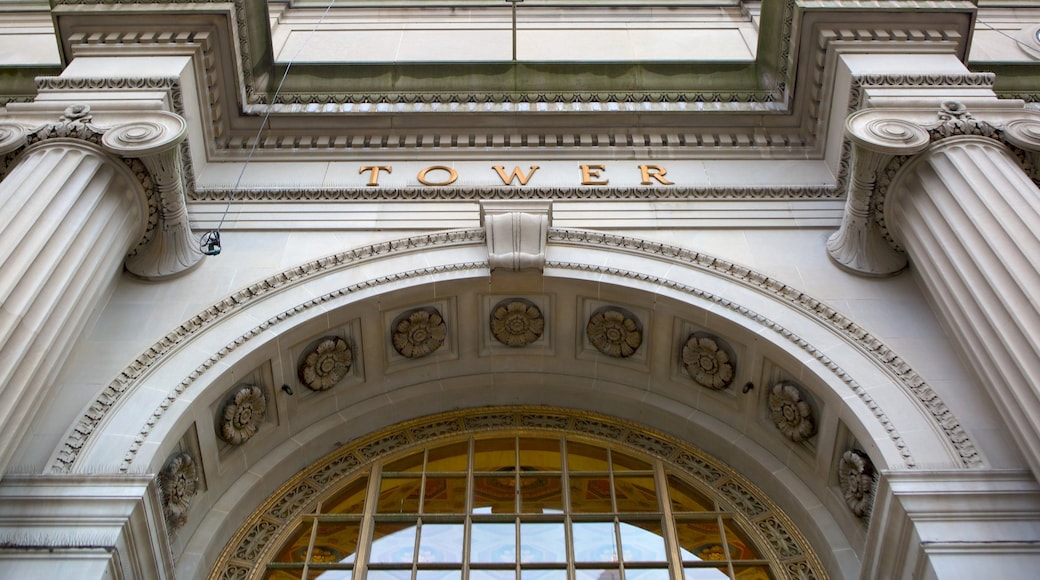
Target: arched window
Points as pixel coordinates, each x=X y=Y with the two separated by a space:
x=515 y=504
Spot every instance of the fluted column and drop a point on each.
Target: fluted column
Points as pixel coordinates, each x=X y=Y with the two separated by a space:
x=68 y=216
x=967 y=216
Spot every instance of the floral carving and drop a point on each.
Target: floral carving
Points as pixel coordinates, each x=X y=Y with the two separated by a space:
x=243 y=415
x=791 y=413
x=326 y=364
x=517 y=323
x=419 y=333
x=614 y=333
x=178 y=483
x=856 y=479
x=708 y=363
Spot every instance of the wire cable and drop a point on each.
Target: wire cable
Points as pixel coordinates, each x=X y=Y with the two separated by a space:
x=209 y=243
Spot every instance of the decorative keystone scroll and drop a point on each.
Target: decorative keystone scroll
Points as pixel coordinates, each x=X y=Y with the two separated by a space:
x=859 y=245
x=155 y=140
x=517 y=232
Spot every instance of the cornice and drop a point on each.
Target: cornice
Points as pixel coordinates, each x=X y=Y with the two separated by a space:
x=912 y=383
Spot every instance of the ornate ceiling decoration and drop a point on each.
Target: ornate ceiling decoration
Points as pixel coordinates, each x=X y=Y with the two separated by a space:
x=419 y=333
x=243 y=414
x=325 y=364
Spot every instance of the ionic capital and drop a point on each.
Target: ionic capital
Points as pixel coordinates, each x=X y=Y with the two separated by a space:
x=148 y=138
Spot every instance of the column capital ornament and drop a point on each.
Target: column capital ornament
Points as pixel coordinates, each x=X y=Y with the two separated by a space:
x=151 y=139
x=883 y=140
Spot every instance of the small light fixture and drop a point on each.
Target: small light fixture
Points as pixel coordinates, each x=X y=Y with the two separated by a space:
x=287 y=390
x=210 y=243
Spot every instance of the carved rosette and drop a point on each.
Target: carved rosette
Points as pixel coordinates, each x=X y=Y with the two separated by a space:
x=791 y=413
x=178 y=483
x=614 y=332
x=707 y=363
x=856 y=480
x=243 y=415
x=516 y=322
x=419 y=333
x=326 y=364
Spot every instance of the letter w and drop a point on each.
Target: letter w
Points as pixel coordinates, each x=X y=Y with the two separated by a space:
x=516 y=174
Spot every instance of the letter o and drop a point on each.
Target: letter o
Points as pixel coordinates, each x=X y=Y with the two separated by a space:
x=452 y=175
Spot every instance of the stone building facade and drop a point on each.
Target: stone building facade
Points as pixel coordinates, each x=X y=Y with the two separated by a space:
x=763 y=275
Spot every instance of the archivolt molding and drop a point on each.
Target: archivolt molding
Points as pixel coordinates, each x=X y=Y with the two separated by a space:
x=70 y=450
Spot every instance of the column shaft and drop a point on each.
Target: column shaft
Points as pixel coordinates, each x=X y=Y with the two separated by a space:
x=68 y=216
x=969 y=218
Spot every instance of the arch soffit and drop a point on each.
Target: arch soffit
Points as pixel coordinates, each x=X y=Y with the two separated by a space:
x=781 y=314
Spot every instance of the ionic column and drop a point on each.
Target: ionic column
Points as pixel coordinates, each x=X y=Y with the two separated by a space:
x=69 y=214
x=968 y=217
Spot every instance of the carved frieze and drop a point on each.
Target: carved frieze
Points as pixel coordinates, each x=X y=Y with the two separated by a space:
x=856 y=480
x=325 y=364
x=516 y=322
x=614 y=332
x=707 y=362
x=419 y=333
x=791 y=412
x=243 y=414
x=178 y=483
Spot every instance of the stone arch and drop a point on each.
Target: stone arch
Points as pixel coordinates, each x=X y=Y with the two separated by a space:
x=166 y=401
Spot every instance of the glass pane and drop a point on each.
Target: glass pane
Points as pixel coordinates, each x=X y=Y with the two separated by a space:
x=440 y=543
x=539 y=454
x=752 y=573
x=685 y=498
x=392 y=542
x=624 y=462
x=409 y=463
x=295 y=550
x=642 y=541
x=349 y=501
x=438 y=575
x=635 y=494
x=597 y=574
x=284 y=574
x=453 y=457
x=330 y=574
x=493 y=543
x=399 y=495
x=705 y=573
x=492 y=574
x=543 y=575
x=494 y=495
x=542 y=542
x=336 y=542
x=699 y=540
x=494 y=455
x=389 y=575
x=445 y=495
x=594 y=542
x=646 y=574
x=590 y=494
x=541 y=494
x=740 y=547
x=582 y=457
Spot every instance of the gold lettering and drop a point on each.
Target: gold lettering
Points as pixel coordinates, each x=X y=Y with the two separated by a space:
x=516 y=174
x=373 y=179
x=590 y=175
x=655 y=172
x=452 y=175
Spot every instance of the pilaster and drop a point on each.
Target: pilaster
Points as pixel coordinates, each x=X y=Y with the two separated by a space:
x=954 y=524
x=84 y=527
